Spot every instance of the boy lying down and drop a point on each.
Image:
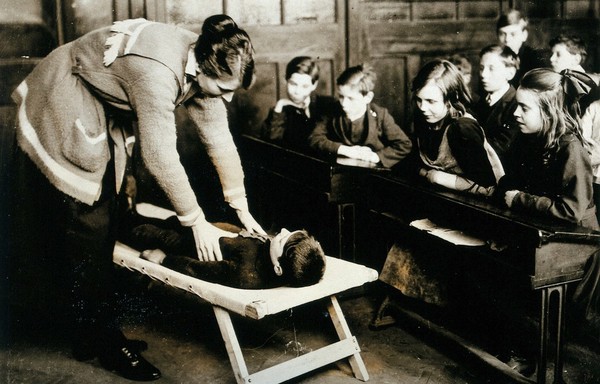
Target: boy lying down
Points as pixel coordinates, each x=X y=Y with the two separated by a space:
x=250 y=260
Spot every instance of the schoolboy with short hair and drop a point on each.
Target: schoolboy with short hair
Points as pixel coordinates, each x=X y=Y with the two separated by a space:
x=495 y=109
x=293 y=118
x=359 y=128
x=512 y=32
x=568 y=52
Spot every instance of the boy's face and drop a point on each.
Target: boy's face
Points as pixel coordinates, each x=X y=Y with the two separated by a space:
x=353 y=102
x=430 y=102
x=512 y=36
x=494 y=73
x=299 y=88
x=563 y=59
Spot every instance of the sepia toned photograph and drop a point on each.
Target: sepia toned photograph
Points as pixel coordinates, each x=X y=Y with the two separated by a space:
x=300 y=191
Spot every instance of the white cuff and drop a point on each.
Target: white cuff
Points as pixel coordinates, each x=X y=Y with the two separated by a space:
x=239 y=204
x=189 y=219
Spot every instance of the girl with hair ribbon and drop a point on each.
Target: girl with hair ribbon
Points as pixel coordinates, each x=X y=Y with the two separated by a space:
x=548 y=170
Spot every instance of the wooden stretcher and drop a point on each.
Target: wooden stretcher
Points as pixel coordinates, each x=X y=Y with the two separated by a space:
x=339 y=276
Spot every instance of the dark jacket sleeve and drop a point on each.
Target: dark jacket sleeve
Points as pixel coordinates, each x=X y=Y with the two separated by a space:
x=320 y=138
x=397 y=145
x=570 y=203
x=465 y=138
x=274 y=126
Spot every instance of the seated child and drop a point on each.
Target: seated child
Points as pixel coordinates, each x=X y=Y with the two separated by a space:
x=512 y=32
x=360 y=129
x=548 y=172
x=292 y=119
x=570 y=53
x=250 y=260
x=495 y=111
x=464 y=67
x=451 y=149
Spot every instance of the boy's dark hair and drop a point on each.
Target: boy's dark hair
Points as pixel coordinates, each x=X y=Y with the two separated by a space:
x=302 y=260
x=575 y=45
x=462 y=63
x=221 y=47
x=360 y=76
x=512 y=17
x=303 y=65
x=509 y=58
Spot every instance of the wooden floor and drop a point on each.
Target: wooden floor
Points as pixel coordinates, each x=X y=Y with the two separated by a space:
x=184 y=342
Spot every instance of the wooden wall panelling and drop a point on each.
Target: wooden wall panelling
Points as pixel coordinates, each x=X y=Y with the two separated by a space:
x=307 y=33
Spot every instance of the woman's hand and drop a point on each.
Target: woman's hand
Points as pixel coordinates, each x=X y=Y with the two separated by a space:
x=207 y=238
x=249 y=223
x=509 y=197
x=241 y=208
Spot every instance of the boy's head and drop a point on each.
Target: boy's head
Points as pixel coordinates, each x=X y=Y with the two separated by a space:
x=512 y=30
x=498 y=65
x=297 y=256
x=463 y=64
x=302 y=76
x=568 y=52
x=355 y=89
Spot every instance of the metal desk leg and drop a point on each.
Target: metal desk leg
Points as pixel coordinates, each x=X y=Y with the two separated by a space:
x=560 y=290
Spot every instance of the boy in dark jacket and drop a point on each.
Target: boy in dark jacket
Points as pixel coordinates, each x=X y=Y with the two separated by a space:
x=292 y=119
x=495 y=109
x=359 y=129
x=250 y=260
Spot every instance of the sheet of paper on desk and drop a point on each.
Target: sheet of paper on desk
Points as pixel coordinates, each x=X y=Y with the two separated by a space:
x=452 y=235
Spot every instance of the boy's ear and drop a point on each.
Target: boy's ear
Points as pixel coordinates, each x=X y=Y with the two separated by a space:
x=369 y=97
x=511 y=72
x=278 y=270
x=525 y=36
x=578 y=58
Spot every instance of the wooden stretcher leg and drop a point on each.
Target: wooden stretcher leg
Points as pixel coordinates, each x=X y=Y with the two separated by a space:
x=238 y=364
x=343 y=331
x=346 y=347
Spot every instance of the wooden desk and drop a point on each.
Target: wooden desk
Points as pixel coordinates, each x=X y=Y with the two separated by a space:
x=543 y=255
x=271 y=168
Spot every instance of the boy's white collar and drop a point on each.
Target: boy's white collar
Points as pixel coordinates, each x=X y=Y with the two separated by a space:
x=495 y=96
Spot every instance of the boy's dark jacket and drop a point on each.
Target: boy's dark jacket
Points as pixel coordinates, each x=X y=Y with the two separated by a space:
x=498 y=121
x=381 y=134
x=292 y=126
x=246 y=262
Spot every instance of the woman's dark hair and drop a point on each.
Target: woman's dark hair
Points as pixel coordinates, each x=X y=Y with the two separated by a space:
x=224 y=49
x=449 y=80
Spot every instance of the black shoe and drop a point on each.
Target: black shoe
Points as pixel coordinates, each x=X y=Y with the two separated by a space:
x=129 y=364
x=84 y=351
